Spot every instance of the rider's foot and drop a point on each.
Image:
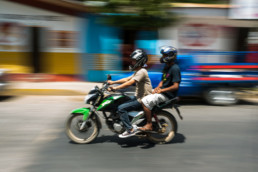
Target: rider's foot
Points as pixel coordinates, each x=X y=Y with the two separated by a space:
x=146 y=128
x=129 y=133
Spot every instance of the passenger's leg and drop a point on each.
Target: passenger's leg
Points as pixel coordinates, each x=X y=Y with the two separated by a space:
x=148 y=103
x=147 y=113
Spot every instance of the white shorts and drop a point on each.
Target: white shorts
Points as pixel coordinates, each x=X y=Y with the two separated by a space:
x=153 y=99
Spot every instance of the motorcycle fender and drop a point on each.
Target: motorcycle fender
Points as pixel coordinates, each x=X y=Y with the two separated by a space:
x=84 y=111
x=178 y=111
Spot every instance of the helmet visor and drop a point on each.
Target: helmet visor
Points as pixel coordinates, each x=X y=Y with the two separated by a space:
x=163 y=58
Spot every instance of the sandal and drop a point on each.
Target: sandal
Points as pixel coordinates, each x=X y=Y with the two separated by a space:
x=145 y=129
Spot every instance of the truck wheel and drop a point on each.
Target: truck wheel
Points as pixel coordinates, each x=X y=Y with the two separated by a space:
x=220 y=96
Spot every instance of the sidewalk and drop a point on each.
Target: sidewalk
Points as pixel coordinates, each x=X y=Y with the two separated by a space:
x=45 y=84
x=60 y=85
x=43 y=77
x=78 y=88
x=49 y=88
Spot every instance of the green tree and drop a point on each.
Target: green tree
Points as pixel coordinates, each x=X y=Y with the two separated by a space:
x=134 y=15
x=204 y=1
x=137 y=14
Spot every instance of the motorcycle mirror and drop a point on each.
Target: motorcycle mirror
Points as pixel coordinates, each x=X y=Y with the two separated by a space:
x=109 y=77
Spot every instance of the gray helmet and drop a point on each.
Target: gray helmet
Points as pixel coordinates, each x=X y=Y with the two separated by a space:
x=141 y=58
x=171 y=53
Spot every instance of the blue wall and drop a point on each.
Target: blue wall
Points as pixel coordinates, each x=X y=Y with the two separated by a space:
x=104 y=41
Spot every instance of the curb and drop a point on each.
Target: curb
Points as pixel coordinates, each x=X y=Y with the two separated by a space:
x=42 y=77
x=36 y=92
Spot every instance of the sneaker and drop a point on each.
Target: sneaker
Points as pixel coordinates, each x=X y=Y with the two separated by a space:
x=135 y=127
x=129 y=133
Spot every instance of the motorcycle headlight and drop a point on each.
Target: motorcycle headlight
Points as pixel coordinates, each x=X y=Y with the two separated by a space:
x=90 y=98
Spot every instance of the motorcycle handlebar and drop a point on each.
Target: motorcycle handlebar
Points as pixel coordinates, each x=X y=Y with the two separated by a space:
x=106 y=86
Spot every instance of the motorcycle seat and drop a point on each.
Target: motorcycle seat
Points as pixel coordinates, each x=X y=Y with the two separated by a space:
x=168 y=104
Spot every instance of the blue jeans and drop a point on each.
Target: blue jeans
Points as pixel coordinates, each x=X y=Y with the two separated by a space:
x=123 y=109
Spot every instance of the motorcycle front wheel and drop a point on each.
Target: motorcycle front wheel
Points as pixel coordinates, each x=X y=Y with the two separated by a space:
x=85 y=135
x=167 y=131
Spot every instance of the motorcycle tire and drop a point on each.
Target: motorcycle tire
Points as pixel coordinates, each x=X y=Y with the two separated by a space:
x=168 y=130
x=84 y=136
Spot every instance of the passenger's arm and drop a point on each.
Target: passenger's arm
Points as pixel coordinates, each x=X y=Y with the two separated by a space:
x=160 y=84
x=157 y=88
x=172 y=88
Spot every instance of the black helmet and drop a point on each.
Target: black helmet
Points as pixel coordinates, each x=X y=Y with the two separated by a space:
x=141 y=58
x=171 y=53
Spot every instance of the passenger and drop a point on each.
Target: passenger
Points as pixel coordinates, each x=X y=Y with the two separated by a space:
x=168 y=86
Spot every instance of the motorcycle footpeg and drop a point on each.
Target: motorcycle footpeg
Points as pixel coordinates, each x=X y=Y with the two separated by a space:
x=151 y=132
x=141 y=134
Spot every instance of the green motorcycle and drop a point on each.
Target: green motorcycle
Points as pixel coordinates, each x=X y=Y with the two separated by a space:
x=83 y=124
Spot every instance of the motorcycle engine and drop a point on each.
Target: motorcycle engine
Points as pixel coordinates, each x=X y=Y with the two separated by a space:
x=118 y=127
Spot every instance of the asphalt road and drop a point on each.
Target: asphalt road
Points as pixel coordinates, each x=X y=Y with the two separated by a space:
x=209 y=139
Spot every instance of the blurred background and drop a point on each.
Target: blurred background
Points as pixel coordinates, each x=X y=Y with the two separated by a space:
x=52 y=52
x=79 y=40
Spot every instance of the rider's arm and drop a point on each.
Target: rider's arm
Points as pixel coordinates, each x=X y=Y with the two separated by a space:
x=173 y=87
x=126 y=84
x=120 y=81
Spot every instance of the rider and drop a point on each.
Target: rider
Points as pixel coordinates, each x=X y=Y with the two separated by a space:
x=143 y=88
x=168 y=86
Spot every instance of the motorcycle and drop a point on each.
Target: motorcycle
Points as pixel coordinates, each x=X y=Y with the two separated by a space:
x=83 y=124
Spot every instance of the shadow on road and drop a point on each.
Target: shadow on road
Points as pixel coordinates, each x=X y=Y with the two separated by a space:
x=199 y=101
x=246 y=102
x=5 y=98
x=135 y=141
x=191 y=101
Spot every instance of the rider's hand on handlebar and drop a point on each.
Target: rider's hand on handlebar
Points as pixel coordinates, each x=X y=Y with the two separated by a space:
x=111 y=89
x=110 y=82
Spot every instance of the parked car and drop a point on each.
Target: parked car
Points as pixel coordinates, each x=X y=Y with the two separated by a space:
x=217 y=83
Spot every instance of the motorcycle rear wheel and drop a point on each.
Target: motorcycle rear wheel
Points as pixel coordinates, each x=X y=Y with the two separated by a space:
x=84 y=136
x=168 y=131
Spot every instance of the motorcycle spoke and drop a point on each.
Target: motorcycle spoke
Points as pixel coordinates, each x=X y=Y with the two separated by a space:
x=81 y=136
x=167 y=131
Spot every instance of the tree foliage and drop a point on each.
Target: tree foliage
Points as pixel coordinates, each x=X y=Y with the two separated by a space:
x=203 y=1
x=137 y=14
x=140 y=14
